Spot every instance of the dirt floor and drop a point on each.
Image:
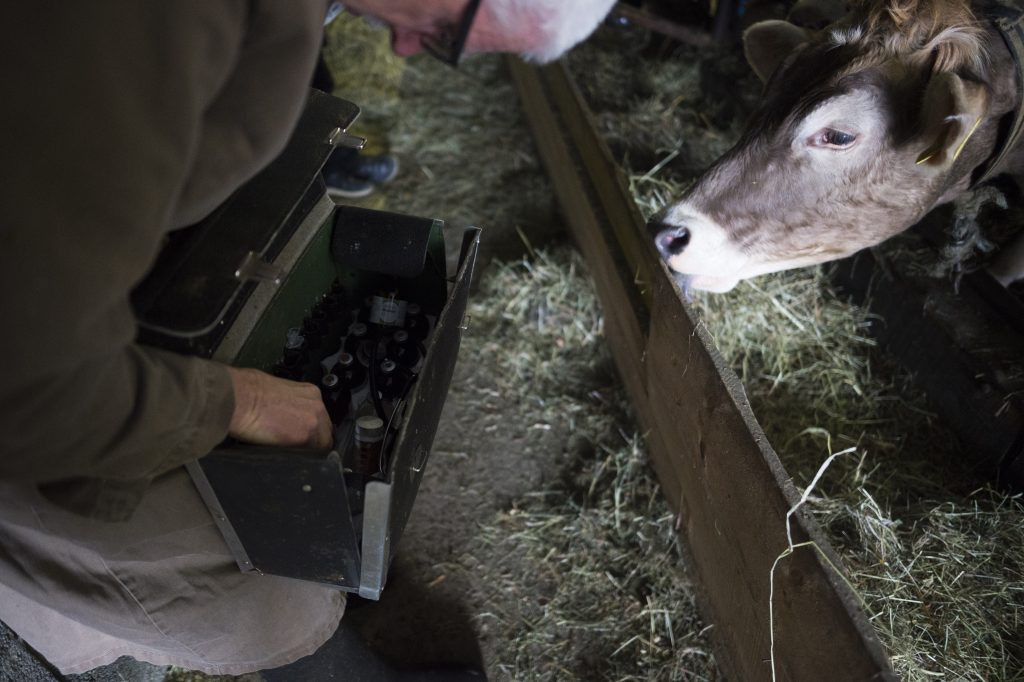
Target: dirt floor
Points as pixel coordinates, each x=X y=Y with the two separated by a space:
x=535 y=432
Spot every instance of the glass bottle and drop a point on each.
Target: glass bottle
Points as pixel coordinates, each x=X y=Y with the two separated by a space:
x=403 y=349
x=416 y=322
x=368 y=444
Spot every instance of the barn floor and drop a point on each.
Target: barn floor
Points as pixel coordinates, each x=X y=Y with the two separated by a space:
x=536 y=463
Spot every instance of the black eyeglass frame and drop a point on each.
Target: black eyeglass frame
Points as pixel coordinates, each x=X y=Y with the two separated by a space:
x=448 y=48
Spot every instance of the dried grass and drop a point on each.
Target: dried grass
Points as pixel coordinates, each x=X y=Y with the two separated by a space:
x=465 y=150
x=585 y=577
x=937 y=558
x=937 y=562
x=365 y=72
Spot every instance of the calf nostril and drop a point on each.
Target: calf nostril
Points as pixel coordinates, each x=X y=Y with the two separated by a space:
x=671 y=242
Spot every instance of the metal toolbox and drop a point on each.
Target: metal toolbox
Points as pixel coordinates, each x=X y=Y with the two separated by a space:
x=242 y=285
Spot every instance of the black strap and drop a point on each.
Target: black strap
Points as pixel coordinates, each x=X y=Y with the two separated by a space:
x=1009 y=19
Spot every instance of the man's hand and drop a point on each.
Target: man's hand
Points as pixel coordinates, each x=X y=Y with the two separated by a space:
x=273 y=411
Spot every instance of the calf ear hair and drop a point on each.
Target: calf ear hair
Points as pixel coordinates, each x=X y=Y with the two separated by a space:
x=952 y=110
x=767 y=43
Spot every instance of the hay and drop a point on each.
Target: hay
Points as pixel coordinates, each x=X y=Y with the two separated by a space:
x=585 y=577
x=465 y=149
x=937 y=564
x=365 y=72
x=937 y=558
x=176 y=674
x=581 y=580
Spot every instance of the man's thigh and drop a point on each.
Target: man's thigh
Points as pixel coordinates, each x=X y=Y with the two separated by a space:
x=161 y=587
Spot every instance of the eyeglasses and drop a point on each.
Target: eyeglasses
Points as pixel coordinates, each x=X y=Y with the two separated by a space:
x=449 y=44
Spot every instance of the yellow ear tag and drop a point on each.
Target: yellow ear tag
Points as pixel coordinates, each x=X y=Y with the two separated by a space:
x=929 y=153
x=963 y=144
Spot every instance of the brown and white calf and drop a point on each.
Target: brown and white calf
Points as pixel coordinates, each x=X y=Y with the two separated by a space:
x=863 y=128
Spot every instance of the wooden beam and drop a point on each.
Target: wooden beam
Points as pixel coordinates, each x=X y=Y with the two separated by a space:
x=670 y=29
x=717 y=469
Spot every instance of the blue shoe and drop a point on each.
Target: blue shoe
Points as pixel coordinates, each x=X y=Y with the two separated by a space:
x=379 y=169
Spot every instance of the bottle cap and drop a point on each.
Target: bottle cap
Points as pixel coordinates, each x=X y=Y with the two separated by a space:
x=369 y=429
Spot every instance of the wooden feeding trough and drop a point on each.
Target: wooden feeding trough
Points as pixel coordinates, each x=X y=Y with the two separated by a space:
x=768 y=580
x=766 y=574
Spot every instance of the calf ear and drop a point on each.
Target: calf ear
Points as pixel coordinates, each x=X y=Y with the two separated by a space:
x=767 y=43
x=952 y=110
x=816 y=14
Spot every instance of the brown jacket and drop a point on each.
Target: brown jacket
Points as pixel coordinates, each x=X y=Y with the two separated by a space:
x=121 y=121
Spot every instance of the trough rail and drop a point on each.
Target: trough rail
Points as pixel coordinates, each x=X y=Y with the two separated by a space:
x=730 y=493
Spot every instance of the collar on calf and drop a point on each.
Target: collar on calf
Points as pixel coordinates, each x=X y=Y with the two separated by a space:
x=1009 y=19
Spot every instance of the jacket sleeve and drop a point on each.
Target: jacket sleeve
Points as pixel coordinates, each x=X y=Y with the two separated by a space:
x=107 y=108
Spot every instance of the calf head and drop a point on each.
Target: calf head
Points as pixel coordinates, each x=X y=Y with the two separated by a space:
x=863 y=127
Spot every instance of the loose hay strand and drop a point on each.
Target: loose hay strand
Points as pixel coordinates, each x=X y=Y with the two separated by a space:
x=790 y=548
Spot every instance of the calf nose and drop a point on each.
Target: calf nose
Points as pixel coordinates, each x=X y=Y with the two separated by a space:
x=671 y=239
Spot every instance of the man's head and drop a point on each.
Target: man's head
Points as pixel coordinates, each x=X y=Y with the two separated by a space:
x=538 y=30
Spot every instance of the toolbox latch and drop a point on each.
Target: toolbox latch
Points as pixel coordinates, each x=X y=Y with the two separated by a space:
x=255 y=269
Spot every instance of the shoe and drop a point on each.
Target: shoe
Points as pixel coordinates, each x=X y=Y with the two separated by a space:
x=341 y=186
x=379 y=169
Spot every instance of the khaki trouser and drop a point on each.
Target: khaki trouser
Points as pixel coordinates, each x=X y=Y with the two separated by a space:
x=161 y=587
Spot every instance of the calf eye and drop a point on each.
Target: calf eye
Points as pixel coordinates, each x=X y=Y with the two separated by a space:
x=833 y=139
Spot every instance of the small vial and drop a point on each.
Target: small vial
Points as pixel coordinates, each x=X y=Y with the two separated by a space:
x=369 y=439
x=329 y=382
x=357 y=333
x=350 y=372
x=389 y=381
x=313 y=331
x=336 y=396
x=403 y=349
x=416 y=322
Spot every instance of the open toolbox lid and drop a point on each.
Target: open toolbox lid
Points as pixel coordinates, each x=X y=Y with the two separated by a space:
x=204 y=270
